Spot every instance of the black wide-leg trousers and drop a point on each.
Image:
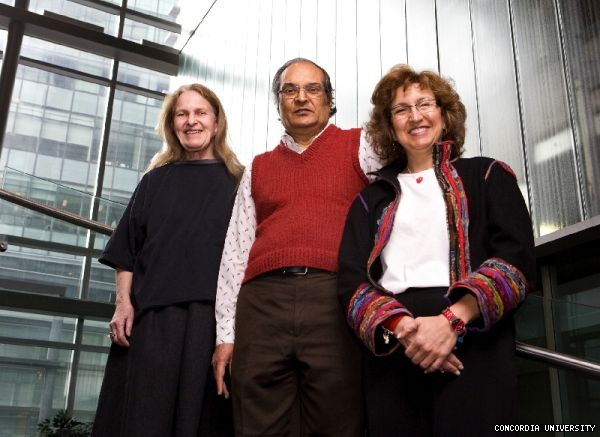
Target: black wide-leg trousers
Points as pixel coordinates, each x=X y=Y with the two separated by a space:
x=403 y=401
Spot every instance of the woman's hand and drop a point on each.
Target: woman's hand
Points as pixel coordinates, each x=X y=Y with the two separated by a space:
x=221 y=361
x=430 y=344
x=122 y=320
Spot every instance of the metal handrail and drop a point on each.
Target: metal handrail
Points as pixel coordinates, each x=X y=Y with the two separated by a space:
x=51 y=211
x=523 y=350
x=558 y=359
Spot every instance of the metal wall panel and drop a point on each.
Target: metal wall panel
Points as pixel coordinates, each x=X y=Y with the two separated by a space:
x=456 y=62
x=308 y=29
x=514 y=113
x=277 y=59
x=346 y=64
x=547 y=126
x=421 y=34
x=262 y=101
x=368 y=50
x=498 y=102
x=392 y=21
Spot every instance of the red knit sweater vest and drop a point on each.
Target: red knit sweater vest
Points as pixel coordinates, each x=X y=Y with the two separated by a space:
x=302 y=201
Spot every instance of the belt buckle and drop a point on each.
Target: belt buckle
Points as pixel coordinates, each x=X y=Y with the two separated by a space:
x=296 y=273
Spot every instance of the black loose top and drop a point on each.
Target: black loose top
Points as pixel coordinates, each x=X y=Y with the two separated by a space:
x=172 y=233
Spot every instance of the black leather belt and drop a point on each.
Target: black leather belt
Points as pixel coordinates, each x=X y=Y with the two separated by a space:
x=295 y=271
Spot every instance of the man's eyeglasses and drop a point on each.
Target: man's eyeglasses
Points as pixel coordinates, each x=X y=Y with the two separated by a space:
x=291 y=91
x=424 y=106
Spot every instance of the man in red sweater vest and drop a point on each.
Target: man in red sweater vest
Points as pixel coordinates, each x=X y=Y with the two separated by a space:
x=296 y=367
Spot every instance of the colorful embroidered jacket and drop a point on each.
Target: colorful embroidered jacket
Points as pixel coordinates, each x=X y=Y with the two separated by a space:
x=491 y=244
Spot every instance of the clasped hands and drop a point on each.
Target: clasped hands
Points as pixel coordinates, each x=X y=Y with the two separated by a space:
x=428 y=342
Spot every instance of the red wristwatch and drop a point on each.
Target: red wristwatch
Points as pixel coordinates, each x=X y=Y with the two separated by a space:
x=456 y=324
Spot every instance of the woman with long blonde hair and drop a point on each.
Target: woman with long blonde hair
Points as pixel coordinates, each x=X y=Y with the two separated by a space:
x=166 y=252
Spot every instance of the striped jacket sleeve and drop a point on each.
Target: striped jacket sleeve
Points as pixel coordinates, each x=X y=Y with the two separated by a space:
x=365 y=306
x=503 y=280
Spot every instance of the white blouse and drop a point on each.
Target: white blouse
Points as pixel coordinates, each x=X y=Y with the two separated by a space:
x=416 y=254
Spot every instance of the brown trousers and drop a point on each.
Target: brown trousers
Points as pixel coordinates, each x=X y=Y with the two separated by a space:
x=296 y=366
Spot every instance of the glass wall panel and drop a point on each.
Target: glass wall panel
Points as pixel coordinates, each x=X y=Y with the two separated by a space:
x=497 y=97
x=581 y=35
x=66 y=57
x=88 y=384
x=576 y=314
x=133 y=141
x=18 y=221
x=45 y=120
x=548 y=131
x=455 y=40
x=16 y=324
x=102 y=281
x=138 y=32
x=37 y=271
x=534 y=393
x=165 y=9
x=2 y=45
x=34 y=379
x=33 y=385
x=144 y=78
x=108 y=22
x=95 y=333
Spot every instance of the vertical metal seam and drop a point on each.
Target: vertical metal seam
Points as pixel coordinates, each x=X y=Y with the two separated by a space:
x=571 y=108
x=75 y=366
x=406 y=29
x=356 y=59
x=526 y=167
x=548 y=274
x=270 y=78
x=437 y=36
x=475 y=75
x=380 y=51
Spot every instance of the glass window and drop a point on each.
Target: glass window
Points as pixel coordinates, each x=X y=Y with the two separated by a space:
x=55 y=131
x=108 y=22
x=2 y=44
x=95 y=332
x=576 y=317
x=132 y=143
x=33 y=385
x=52 y=120
x=166 y=9
x=38 y=271
x=32 y=92
x=59 y=98
x=65 y=57
x=16 y=324
x=142 y=77
x=102 y=280
x=138 y=32
x=89 y=381
x=87 y=103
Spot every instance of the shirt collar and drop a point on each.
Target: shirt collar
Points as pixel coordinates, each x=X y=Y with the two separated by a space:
x=289 y=142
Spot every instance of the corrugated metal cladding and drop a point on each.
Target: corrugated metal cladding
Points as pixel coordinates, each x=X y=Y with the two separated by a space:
x=528 y=73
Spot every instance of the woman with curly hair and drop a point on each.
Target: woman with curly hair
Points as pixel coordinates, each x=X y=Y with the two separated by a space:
x=437 y=255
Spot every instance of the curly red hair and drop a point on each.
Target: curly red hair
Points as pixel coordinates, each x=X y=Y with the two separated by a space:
x=379 y=127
